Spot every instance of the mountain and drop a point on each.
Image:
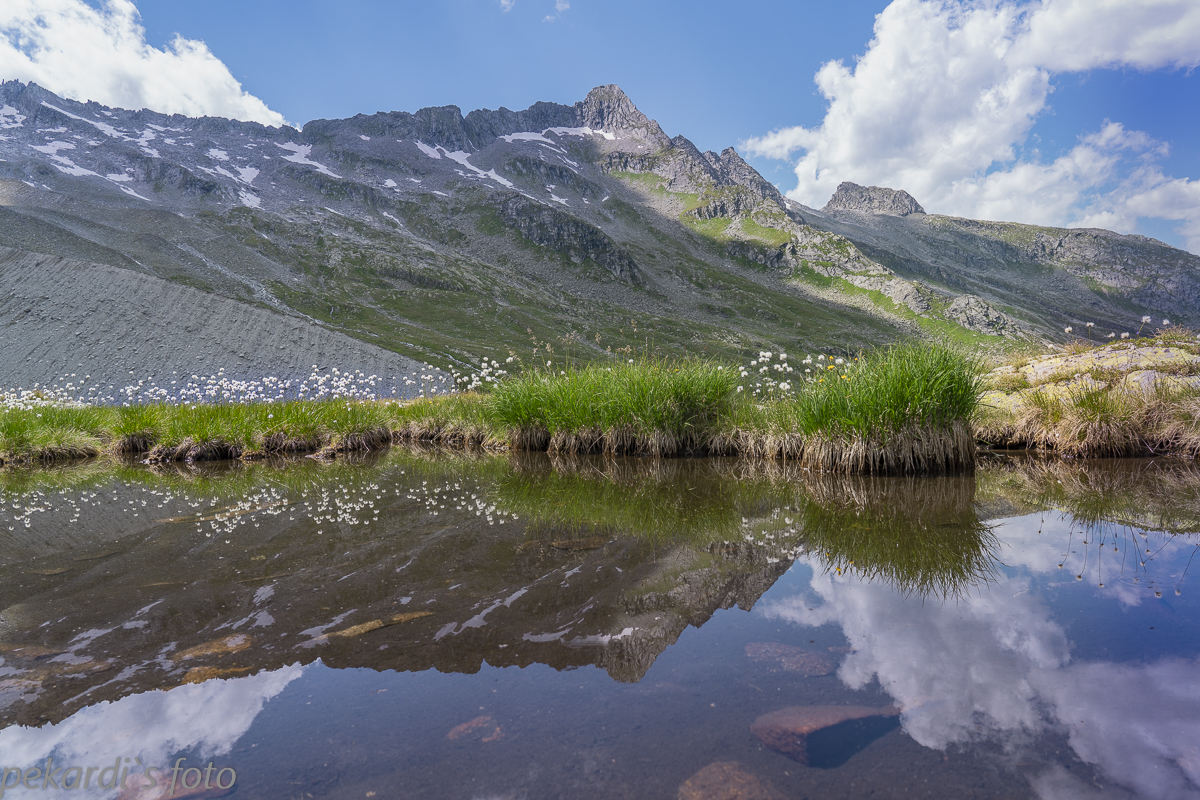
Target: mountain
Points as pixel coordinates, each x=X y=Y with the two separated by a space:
x=447 y=238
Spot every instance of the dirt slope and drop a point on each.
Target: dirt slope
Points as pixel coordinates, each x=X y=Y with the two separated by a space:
x=60 y=316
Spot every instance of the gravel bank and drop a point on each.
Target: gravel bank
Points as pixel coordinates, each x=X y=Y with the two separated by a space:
x=60 y=316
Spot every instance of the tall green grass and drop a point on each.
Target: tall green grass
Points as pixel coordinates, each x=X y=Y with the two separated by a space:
x=647 y=405
x=885 y=392
x=196 y=431
x=52 y=433
x=903 y=408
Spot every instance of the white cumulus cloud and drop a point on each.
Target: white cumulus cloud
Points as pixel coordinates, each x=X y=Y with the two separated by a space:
x=943 y=100
x=101 y=54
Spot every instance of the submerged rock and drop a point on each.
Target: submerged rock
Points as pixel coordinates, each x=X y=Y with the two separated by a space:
x=482 y=728
x=726 y=780
x=787 y=730
x=807 y=662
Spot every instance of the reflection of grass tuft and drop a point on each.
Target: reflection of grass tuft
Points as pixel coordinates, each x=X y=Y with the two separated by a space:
x=921 y=535
x=1150 y=494
x=676 y=501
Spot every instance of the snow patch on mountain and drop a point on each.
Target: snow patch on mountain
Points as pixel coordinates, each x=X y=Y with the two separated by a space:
x=462 y=158
x=584 y=131
x=526 y=136
x=103 y=127
x=52 y=148
x=10 y=117
x=300 y=156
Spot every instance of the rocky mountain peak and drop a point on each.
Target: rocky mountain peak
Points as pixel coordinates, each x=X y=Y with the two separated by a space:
x=610 y=109
x=607 y=107
x=873 y=199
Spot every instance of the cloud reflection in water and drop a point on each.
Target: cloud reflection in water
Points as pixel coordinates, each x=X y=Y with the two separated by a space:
x=206 y=718
x=996 y=664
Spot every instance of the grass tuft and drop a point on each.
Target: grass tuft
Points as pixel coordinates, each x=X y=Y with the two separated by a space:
x=644 y=407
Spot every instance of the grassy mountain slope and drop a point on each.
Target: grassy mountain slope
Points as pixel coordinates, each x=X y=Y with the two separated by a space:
x=449 y=238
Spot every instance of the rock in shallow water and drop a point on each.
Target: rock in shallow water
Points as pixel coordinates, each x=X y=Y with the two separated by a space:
x=788 y=729
x=726 y=780
x=482 y=728
x=809 y=663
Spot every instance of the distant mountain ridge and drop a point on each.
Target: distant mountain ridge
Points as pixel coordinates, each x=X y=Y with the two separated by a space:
x=448 y=238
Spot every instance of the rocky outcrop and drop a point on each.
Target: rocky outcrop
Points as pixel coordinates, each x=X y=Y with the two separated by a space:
x=684 y=168
x=974 y=314
x=1148 y=272
x=832 y=256
x=872 y=199
x=728 y=202
x=563 y=233
x=607 y=108
x=546 y=173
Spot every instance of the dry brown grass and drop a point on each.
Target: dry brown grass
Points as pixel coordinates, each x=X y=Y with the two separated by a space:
x=912 y=451
x=1101 y=422
x=279 y=443
x=189 y=450
x=133 y=443
x=458 y=435
x=356 y=442
x=65 y=451
x=1175 y=417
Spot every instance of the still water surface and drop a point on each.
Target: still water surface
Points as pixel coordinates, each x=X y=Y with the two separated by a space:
x=430 y=625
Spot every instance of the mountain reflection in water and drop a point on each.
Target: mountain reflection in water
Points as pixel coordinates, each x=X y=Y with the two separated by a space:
x=168 y=607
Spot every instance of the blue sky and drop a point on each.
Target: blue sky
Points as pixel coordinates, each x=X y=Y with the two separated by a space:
x=713 y=72
x=904 y=112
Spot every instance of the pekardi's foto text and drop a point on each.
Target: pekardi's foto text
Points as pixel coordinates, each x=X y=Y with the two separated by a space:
x=179 y=778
